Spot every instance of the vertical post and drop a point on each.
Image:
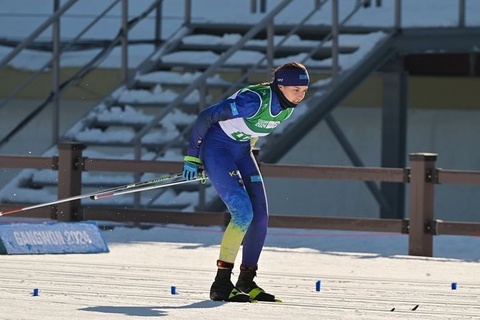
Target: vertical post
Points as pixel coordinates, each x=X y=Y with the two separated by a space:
x=188 y=12
x=202 y=195
x=394 y=136
x=335 y=32
x=398 y=15
x=263 y=6
x=270 y=46
x=56 y=74
x=158 y=24
x=125 y=40
x=461 y=13
x=70 y=163
x=422 y=178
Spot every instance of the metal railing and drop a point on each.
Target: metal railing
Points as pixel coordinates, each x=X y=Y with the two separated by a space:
x=266 y=23
x=200 y=81
x=57 y=49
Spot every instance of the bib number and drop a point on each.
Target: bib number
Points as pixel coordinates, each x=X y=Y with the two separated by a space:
x=240 y=136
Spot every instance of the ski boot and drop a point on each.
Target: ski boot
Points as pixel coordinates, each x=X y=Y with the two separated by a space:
x=222 y=288
x=246 y=284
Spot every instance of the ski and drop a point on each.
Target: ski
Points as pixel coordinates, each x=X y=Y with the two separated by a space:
x=262 y=301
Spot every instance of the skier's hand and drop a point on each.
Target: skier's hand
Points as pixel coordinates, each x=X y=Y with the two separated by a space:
x=192 y=168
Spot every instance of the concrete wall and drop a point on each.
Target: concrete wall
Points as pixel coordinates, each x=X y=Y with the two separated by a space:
x=453 y=134
x=36 y=137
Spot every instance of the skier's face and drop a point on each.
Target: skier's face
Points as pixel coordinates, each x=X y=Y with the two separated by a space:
x=294 y=94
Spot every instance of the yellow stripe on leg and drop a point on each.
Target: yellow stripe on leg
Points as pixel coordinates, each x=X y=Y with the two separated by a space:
x=231 y=242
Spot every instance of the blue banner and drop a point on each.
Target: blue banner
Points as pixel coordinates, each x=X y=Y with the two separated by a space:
x=57 y=237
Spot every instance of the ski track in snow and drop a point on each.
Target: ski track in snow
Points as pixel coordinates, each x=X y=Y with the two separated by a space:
x=134 y=280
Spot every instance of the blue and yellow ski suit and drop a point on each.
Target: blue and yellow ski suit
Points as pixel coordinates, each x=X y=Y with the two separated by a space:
x=221 y=138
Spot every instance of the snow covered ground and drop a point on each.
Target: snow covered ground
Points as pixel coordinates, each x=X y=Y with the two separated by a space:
x=363 y=276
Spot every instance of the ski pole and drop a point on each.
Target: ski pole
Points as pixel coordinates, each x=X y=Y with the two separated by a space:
x=121 y=192
x=137 y=184
x=89 y=195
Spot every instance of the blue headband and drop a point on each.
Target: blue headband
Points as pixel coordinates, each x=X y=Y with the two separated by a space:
x=292 y=77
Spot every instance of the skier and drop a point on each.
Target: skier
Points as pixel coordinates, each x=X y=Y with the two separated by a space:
x=220 y=144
